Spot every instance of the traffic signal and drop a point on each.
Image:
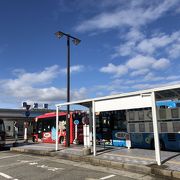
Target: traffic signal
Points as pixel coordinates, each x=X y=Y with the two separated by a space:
x=27 y=113
x=28 y=107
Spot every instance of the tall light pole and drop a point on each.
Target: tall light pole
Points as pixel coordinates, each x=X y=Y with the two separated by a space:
x=76 y=41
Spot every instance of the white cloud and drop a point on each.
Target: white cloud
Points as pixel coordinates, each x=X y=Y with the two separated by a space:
x=139 y=72
x=124 y=50
x=174 y=51
x=161 y=64
x=133 y=15
x=151 y=77
x=113 y=69
x=79 y=94
x=149 y=85
x=173 y=77
x=136 y=43
x=28 y=79
x=150 y=45
x=142 y=86
x=139 y=65
x=28 y=86
x=134 y=35
x=140 y=62
x=73 y=69
x=148 y=53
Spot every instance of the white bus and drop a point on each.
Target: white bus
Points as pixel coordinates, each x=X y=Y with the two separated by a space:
x=140 y=127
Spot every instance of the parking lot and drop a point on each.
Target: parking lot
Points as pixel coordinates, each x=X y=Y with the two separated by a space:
x=18 y=166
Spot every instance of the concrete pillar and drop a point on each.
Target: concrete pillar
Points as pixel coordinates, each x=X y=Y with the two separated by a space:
x=94 y=128
x=57 y=127
x=155 y=127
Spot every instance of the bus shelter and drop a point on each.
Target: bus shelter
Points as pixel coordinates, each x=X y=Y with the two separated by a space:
x=125 y=101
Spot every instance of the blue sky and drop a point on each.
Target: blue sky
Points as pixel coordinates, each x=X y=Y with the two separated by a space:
x=125 y=46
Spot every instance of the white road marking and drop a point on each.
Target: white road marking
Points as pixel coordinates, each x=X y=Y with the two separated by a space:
x=10 y=156
x=42 y=166
x=6 y=176
x=35 y=163
x=107 y=177
x=23 y=161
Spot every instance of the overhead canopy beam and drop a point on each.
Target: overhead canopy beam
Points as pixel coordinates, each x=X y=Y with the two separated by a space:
x=123 y=103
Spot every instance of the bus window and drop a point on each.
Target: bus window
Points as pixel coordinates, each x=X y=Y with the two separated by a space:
x=174 y=113
x=162 y=113
x=46 y=126
x=39 y=126
x=141 y=127
x=163 y=127
x=131 y=115
x=132 y=127
x=141 y=115
x=176 y=126
x=150 y=127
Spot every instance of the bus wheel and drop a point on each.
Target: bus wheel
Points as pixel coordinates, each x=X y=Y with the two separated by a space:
x=61 y=139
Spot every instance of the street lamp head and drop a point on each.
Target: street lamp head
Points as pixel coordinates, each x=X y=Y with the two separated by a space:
x=59 y=34
x=76 y=41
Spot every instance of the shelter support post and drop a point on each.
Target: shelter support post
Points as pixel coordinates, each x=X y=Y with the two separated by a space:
x=94 y=128
x=57 y=126
x=90 y=126
x=155 y=127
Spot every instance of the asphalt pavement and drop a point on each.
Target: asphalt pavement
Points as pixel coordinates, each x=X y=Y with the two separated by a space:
x=133 y=160
x=17 y=166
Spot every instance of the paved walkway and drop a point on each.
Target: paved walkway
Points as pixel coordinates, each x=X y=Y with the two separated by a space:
x=114 y=156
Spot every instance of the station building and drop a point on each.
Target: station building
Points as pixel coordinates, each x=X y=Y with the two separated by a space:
x=12 y=116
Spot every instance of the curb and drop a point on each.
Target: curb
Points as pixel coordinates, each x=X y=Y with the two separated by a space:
x=151 y=170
